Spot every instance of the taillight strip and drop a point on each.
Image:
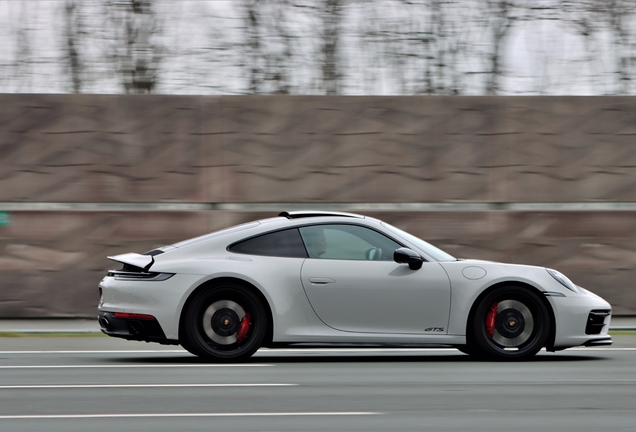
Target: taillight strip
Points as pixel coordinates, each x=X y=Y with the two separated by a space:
x=133 y=315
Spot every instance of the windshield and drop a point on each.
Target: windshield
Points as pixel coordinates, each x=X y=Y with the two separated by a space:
x=425 y=247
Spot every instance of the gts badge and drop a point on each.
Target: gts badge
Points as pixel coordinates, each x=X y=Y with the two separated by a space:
x=434 y=329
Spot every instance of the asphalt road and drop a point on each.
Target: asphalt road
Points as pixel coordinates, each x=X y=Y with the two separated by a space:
x=103 y=384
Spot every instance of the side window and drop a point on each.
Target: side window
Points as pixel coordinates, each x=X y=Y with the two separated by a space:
x=347 y=242
x=285 y=243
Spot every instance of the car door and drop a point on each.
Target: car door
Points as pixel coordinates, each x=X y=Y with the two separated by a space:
x=354 y=285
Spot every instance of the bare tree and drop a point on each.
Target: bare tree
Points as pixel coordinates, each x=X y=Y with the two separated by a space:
x=446 y=48
x=613 y=20
x=387 y=36
x=320 y=46
x=617 y=14
x=72 y=34
x=253 y=43
x=500 y=18
x=582 y=17
x=269 y=36
x=138 y=56
x=331 y=16
x=282 y=58
x=422 y=44
x=23 y=59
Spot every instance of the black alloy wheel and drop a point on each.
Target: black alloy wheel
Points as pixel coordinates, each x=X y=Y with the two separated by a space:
x=510 y=323
x=224 y=323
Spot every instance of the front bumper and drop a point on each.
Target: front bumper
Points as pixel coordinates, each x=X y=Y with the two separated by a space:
x=604 y=341
x=581 y=321
x=133 y=328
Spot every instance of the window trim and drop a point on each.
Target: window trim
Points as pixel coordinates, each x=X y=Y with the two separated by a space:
x=401 y=243
x=306 y=223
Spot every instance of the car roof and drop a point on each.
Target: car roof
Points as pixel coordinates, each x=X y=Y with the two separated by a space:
x=313 y=213
x=265 y=224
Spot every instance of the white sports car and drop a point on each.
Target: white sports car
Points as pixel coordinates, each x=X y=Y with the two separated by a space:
x=338 y=279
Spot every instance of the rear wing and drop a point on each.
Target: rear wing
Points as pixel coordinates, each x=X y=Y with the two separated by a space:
x=143 y=262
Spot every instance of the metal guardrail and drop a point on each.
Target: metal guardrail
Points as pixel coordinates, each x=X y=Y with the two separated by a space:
x=428 y=207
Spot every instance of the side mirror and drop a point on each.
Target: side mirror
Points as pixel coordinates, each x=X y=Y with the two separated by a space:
x=407 y=256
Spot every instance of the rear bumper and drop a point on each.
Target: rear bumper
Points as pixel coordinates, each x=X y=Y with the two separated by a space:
x=146 y=329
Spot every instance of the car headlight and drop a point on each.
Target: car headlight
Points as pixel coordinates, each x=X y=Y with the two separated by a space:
x=560 y=278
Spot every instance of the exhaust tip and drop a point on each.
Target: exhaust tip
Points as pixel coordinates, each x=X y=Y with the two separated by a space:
x=103 y=321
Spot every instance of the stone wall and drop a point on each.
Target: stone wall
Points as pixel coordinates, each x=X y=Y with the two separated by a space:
x=499 y=151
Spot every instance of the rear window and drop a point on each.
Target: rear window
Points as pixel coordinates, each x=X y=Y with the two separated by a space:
x=286 y=243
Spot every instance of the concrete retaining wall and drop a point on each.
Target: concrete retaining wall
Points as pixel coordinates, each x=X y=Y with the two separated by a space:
x=312 y=150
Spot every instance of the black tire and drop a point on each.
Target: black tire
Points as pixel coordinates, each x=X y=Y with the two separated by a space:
x=186 y=346
x=213 y=320
x=471 y=349
x=510 y=323
x=466 y=349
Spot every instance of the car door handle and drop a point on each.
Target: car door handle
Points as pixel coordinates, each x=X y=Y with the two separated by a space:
x=321 y=280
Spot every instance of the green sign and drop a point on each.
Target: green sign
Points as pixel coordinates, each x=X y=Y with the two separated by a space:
x=5 y=218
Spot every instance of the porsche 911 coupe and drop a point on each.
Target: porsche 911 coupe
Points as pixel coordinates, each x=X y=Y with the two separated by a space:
x=308 y=278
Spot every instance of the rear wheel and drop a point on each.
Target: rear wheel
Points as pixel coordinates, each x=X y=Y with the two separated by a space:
x=510 y=323
x=186 y=346
x=224 y=323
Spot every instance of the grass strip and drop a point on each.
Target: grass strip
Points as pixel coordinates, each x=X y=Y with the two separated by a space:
x=10 y=334
x=622 y=332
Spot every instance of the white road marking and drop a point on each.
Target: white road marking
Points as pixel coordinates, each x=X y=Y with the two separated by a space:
x=350 y=350
x=404 y=350
x=133 y=366
x=158 y=415
x=261 y=351
x=92 y=386
x=97 y=352
x=598 y=349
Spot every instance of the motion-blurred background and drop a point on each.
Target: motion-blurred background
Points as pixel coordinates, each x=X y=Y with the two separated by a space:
x=499 y=130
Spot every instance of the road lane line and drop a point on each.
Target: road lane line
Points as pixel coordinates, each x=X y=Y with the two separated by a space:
x=261 y=351
x=92 y=386
x=267 y=351
x=133 y=366
x=351 y=350
x=97 y=352
x=243 y=414
x=403 y=350
x=599 y=349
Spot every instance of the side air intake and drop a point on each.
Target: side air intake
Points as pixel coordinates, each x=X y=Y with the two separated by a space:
x=596 y=321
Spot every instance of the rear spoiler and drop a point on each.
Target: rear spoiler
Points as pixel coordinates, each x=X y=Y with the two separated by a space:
x=143 y=262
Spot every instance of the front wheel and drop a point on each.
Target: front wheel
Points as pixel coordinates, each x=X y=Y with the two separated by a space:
x=510 y=323
x=225 y=323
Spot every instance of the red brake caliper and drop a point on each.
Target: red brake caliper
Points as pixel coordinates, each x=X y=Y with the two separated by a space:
x=490 y=320
x=243 y=328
